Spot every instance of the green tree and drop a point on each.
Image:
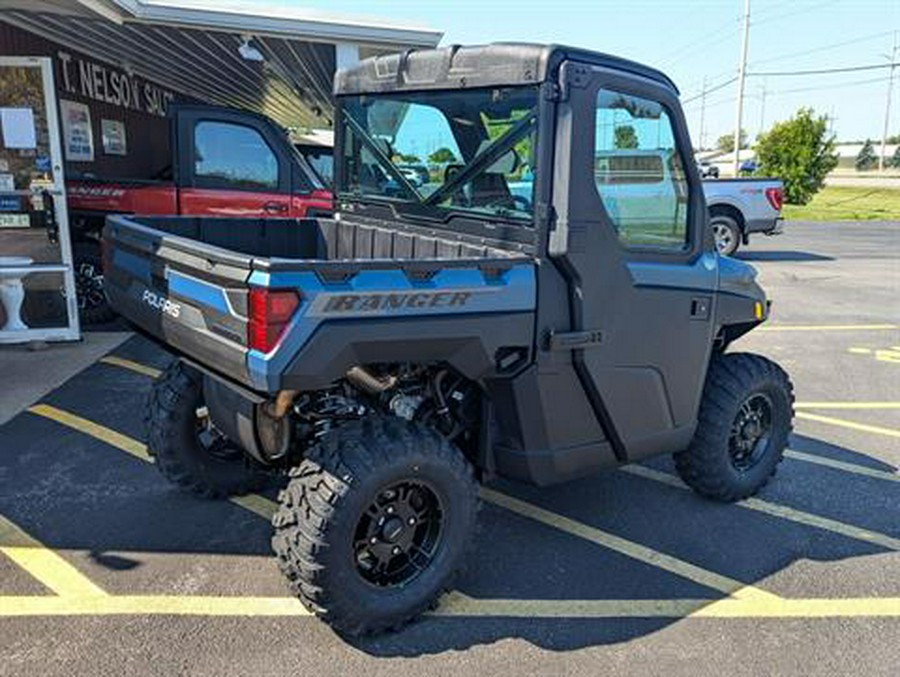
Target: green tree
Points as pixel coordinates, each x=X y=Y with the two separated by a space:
x=895 y=159
x=800 y=152
x=726 y=141
x=625 y=137
x=866 y=159
x=442 y=156
x=405 y=158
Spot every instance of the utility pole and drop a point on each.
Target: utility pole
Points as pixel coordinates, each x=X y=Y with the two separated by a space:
x=887 y=105
x=762 y=109
x=742 y=72
x=702 y=110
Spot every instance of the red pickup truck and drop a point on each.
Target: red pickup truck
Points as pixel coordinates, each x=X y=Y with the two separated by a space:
x=225 y=162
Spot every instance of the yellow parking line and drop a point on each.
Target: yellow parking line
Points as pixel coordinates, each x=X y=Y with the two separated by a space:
x=43 y=564
x=631 y=549
x=782 y=511
x=852 y=425
x=95 y=430
x=846 y=405
x=456 y=604
x=842 y=465
x=169 y=605
x=137 y=367
x=828 y=327
x=255 y=503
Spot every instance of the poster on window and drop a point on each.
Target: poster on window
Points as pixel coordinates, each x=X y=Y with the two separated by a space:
x=113 y=133
x=78 y=136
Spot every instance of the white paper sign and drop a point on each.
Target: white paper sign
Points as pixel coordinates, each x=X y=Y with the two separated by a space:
x=78 y=135
x=17 y=126
x=7 y=184
x=113 y=134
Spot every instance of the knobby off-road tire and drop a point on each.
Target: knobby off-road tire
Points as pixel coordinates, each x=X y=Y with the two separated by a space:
x=349 y=480
x=93 y=306
x=174 y=439
x=727 y=234
x=745 y=419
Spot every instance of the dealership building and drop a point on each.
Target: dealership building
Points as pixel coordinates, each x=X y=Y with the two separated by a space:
x=86 y=89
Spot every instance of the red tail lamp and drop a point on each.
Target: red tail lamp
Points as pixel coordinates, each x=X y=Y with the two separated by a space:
x=270 y=312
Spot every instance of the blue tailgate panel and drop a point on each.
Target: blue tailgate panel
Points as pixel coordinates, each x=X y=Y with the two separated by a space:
x=387 y=293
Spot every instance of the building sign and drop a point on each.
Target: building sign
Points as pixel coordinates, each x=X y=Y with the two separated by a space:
x=78 y=137
x=113 y=133
x=92 y=80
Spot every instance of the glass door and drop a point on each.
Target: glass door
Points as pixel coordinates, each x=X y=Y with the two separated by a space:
x=37 y=288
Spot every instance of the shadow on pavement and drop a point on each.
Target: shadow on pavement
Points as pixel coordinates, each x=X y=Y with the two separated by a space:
x=790 y=255
x=77 y=494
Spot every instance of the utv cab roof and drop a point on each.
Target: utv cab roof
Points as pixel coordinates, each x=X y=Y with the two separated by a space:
x=452 y=67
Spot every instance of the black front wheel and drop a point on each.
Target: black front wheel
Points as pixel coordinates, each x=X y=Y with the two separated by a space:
x=745 y=419
x=374 y=523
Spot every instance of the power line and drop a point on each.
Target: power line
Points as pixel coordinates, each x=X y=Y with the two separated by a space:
x=823 y=48
x=825 y=71
x=768 y=17
x=710 y=90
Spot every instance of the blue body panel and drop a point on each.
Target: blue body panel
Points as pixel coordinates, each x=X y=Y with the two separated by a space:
x=386 y=293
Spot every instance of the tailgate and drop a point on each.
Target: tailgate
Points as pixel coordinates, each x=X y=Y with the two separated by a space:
x=189 y=294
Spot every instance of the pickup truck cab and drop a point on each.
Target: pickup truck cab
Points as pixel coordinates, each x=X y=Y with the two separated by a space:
x=514 y=315
x=224 y=162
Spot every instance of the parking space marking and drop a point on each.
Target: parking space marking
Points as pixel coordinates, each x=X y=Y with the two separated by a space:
x=642 y=553
x=46 y=566
x=264 y=507
x=458 y=604
x=843 y=465
x=144 y=605
x=137 y=367
x=95 y=430
x=846 y=405
x=828 y=327
x=778 y=510
x=853 y=425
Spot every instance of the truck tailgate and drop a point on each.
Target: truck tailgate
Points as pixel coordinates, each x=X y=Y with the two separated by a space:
x=189 y=294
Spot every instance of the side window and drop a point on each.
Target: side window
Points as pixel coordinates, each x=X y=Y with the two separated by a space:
x=233 y=154
x=638 y=171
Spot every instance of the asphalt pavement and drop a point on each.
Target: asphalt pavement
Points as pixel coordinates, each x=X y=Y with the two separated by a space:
x=107 y=570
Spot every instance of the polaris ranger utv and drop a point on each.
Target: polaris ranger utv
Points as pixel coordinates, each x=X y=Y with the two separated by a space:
x=539 y=309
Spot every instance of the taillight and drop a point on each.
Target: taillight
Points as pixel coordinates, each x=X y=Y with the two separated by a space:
x=270 y=312
x=775 y=196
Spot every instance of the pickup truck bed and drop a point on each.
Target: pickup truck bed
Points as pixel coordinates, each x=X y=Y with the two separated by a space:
x=200 y=284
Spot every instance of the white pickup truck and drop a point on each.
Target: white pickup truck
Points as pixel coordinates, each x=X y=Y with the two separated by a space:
x=636 y=180
x=739 y=207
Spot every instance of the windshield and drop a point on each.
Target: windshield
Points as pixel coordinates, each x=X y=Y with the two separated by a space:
x=431 y=153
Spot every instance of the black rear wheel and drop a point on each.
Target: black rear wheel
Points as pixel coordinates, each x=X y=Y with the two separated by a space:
x=745 y=419
x=374 y=523
x=189 y=451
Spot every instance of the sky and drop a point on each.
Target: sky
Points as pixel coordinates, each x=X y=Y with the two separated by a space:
x=695 y=39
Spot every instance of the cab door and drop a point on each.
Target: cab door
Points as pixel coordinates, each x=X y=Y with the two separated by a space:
x=641 y=277
x=231 y=164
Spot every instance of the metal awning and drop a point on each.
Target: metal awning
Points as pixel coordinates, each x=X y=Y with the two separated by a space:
x=194 y=47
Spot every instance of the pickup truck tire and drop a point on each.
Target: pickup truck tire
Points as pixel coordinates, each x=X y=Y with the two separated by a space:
x=184 y=454
x=726 y=232
x=745 y=419
x=93 y=306
x=374 y=524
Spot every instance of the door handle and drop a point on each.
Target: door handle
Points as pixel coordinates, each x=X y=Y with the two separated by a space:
x=275 y=207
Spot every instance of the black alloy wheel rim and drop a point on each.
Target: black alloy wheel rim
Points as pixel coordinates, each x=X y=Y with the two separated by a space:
x=89 y=286
x=751 y=432
x=398 y=535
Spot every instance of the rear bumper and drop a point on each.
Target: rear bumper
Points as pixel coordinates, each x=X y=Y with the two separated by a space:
x=768 y=226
